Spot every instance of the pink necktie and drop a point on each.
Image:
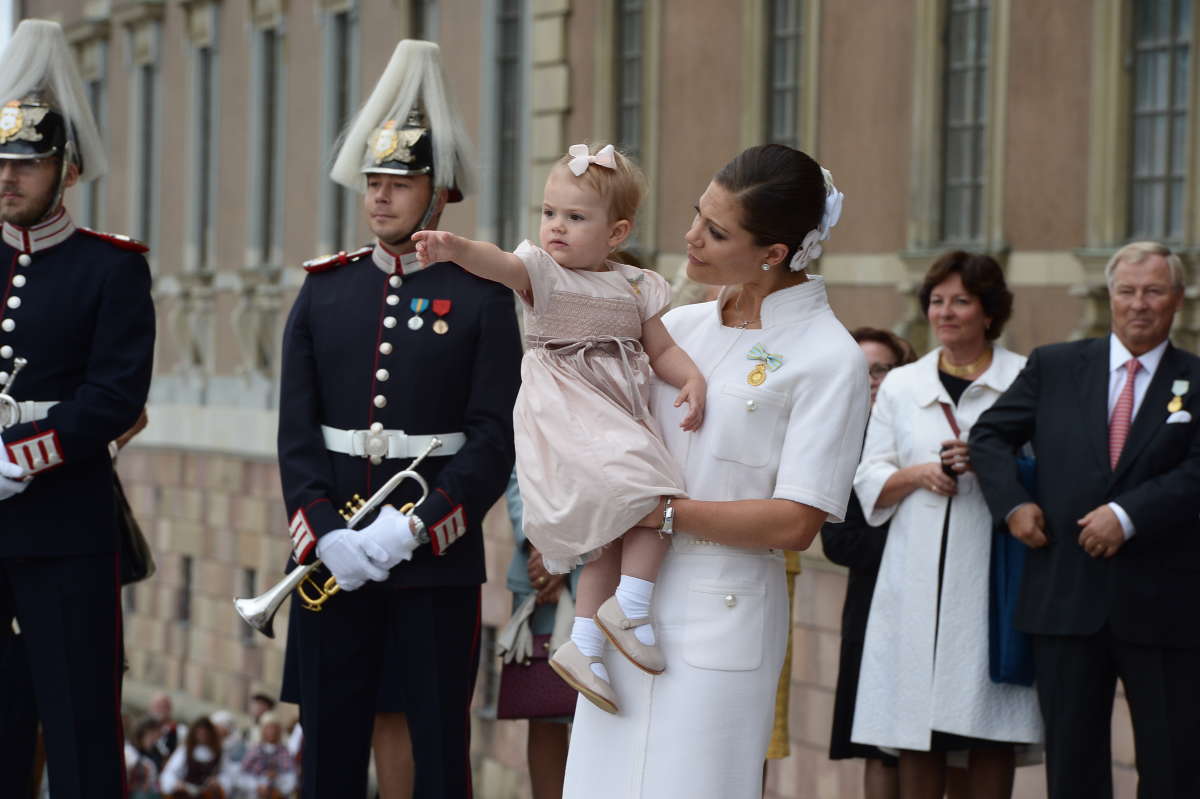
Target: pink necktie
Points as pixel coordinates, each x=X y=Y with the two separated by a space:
x=1118 y=428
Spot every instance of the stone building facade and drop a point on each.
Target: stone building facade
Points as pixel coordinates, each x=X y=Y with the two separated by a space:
x=1044 y=133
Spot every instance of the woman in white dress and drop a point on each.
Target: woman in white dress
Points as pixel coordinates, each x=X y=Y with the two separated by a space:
x=924 y=686
x=787 y=400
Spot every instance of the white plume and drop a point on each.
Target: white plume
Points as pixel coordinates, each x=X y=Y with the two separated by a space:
x=413 y=76
x=38 y=59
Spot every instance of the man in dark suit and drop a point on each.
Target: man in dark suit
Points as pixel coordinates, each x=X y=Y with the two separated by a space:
x=76 y=350
x=1112 y=579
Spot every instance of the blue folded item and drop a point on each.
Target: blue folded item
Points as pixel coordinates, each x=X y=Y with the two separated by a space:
x=1010 y=654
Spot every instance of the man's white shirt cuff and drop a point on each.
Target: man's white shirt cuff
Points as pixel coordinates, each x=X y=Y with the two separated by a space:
x=1123 y=518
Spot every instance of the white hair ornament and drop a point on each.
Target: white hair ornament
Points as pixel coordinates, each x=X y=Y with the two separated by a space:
x=581 y=160
x=810 y=248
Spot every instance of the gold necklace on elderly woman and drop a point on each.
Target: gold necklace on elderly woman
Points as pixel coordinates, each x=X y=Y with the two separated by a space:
x=966 y=371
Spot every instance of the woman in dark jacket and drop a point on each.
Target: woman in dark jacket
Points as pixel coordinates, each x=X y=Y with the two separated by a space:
x=859 y=547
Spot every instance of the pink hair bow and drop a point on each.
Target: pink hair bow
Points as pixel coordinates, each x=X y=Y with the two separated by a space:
x=580 y=159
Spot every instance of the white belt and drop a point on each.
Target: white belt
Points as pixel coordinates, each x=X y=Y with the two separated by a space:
x=388 y=443
x=28 y=411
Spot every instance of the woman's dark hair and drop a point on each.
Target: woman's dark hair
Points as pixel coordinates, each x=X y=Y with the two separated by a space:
x=193 y=734
x=781 y=191
x=982 y=277
x=900 y=348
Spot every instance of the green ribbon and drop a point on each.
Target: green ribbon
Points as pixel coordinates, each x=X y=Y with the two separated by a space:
x=772 y=360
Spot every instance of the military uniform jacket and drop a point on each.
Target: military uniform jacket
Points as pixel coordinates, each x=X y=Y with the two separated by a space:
x=350 y=360
x=76 y=305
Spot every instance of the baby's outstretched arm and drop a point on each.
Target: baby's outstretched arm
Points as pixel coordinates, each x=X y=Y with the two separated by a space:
x=478 y=257
x=676 y=367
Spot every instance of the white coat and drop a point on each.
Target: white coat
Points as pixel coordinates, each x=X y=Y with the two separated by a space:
x=926 y=669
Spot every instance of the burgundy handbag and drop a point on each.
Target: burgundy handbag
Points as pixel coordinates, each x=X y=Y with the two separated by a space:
x=532 y=690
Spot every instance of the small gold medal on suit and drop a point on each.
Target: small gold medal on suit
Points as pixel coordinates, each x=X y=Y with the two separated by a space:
x=1175 y=405
x=758 y=375
x=441 y=327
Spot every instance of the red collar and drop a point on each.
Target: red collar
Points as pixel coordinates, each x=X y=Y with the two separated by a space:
x=42 y=236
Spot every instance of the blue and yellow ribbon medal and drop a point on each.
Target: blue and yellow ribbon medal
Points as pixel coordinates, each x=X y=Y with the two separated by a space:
x=766 y=360
x=418 y=304
x=1178 y=388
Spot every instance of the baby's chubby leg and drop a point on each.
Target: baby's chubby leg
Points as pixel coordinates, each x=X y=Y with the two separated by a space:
x=596 y=584
x=642 y=553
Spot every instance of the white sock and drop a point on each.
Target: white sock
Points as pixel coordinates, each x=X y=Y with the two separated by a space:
x=590 y=640
x=633 y=595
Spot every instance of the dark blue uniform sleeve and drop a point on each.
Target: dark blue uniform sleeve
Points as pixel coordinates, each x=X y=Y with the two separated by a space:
x=116 y=380
x=476 y=476
x=305 y=470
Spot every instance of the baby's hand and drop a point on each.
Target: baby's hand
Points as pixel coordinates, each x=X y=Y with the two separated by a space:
x=693 y=393
x=437 y=245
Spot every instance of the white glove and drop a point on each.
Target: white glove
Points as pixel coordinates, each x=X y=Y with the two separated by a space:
x=392 y=531
x=12 y=477
x=352 y=557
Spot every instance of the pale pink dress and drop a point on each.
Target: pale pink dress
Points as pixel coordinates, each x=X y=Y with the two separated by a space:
x=590 y=460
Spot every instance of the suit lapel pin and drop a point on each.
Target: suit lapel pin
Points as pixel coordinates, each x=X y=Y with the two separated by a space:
x=1178 y=388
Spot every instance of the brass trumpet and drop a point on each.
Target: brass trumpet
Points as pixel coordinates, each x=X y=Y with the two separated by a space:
x=259 y=612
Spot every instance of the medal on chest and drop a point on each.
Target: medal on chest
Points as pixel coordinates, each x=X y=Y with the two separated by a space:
x=418 y=306
x=767 y=361
x=1178 y=388
x=440 y=309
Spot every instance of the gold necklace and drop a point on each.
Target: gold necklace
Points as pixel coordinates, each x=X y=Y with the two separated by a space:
x=975 y=367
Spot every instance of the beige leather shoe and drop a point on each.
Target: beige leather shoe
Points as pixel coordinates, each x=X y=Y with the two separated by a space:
x=619 y=629
x=576 y=670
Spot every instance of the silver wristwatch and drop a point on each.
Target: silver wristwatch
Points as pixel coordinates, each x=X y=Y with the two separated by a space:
x=668 y=522
x=418 y=529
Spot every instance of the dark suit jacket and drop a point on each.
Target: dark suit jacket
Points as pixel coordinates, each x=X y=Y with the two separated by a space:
x=1149 y=592
x=859 y=547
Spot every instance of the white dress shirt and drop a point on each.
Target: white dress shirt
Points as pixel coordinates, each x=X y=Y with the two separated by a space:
x=1148 y=362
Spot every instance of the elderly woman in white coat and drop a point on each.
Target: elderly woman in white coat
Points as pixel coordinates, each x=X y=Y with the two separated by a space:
x=924 y=687
x=787 y=405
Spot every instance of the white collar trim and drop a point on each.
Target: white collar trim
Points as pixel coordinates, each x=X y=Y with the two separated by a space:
x=55 y=230
x=390 y=263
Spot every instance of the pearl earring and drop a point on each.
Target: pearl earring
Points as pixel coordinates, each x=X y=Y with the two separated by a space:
x=766 y=267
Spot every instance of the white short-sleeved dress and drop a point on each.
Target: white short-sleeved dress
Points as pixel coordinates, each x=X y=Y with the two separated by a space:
x=701 y=728
x=590 y=459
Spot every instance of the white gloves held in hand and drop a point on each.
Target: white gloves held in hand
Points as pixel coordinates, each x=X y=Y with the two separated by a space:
x=12 y=477
x=355 y=557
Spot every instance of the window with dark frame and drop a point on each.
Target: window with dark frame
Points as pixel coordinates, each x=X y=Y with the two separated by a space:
x=270 y=69
x=510 y=91
x=784 y=42
x=93 y=194
x=148 y=120
x=964 y=119
x=341 y=87
x=1160 y=107
x=629 y=76
x=423 y=21
x=205 y=172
